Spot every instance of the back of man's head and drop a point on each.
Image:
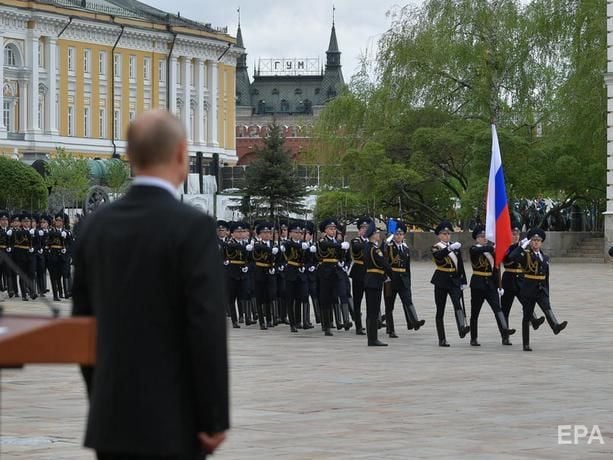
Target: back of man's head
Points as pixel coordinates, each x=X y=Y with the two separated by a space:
x=154 y=139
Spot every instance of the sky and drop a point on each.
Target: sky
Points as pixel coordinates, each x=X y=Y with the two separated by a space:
x=295 y=29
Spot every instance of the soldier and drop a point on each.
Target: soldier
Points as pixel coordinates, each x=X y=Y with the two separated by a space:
x=236 y=260
x=310 y=265
x=29 y=226
x=56 y=255
x=536 y=283
x=67 y=256
x=295 y=277
x=512 y=280
x=329 y=252
x=358 y=271
x=483 y=286
x=222 y=235
x=41 y=236
x=5 y=248
x=23 y=250
x=398 y=257
x=344 y=302
x=264 y=256
x=449 y=279
x=377 y=269
x=15 y=225
x=280 y=265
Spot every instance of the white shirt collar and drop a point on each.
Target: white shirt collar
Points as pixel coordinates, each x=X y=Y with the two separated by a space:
x=155 y=182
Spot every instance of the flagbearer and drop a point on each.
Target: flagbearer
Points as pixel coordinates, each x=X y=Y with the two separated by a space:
x=536 y=283
x=449 y=279
x=483 y=286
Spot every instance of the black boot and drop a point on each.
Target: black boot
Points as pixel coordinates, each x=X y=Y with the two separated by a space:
x=525 y=335
x=306 y=315
x=391 y=330
x=337 y=316
x=316 y=310
x=326 y=322
x=359 y=330
x=463 y=329
x=553 y=322
x=536 y=321
x=347 y=324
x=411 y=314
x=440 y=331
x=372 y=332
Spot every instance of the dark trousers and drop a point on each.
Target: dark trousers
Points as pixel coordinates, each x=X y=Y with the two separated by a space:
x=440 y=298
x=357 y=291
x=373 y=303
x=119 y=456
x=528 y=303
x=296 y=293
x=265 y=293
x=506 y=302
x=391 y=291
x=237 y=290
x=477 y=298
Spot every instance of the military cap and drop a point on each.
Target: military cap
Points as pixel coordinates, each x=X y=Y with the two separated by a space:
x=26 y=216
x=222 y=224
x=15 y=217
x=4 y=215
x=370 y=230
x=444 y=225
x=515 y=225
x=363 y=221
x=234 y=226
x=59 y=215
x=478 y=230
x=295 y=227
x=400 y=227
x=536 y=232
x=264 y=227
x=45 y=217
x=327 y=222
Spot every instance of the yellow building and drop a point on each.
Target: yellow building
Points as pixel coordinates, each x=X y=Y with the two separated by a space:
x=75 y=72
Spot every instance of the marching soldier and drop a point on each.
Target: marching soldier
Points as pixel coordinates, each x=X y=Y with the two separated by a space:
x=358 y=271
x=42 y=233
x=449 y=279
x=512 y=280
x=398 y=257
x=329 y=252
x=535 y=288
x=377 y=269
x=56 y=255
x=483 y=286
x=344 y=303
x=236 y=260
x=23 y=251
x=264 y=257
x=12 y=276
x=280 y=265
x=5 y=237
x=310 y=265
x=222 y=235
x=296 y=278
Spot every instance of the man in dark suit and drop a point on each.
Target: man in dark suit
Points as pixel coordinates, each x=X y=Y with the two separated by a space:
x=159 y=388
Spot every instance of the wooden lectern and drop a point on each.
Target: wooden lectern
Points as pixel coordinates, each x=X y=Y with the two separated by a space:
x=44 y=340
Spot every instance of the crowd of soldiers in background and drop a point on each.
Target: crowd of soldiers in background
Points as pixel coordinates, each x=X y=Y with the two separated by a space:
x=31 y=245
x=276 y=272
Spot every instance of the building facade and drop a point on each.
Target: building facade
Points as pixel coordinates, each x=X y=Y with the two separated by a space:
x=75 y=72
x=290 y=92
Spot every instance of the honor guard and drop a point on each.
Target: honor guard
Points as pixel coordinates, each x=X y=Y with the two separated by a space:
x=377 y=271
x=535 y=288
x=484 y=286
x=358 y=271
x=222 y=235
x=5 y=248
x=449 y=279
x=56 y=255
x=236 y=260
x=280 y=265
x=513 y=278
x=310 y=265
x=264 y=256
x=23 y=250
x=330 y=251
x=297 y=300
x=398 y=257
x=344 y=303
x=42 y=234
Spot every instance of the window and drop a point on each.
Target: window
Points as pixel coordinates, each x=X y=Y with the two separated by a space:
x=117 y=65
x=9 y=57
x=179 y=76
x=86 y=130
x=132 y=67
x=102 y=63
x=71 y=58
x=101 y=123
x=87 y=60
x=132 y=115
x=41 y=53
x=161 y=71
x=70 y=120
x=117 y=124
x=6 y=115
x=147 y=69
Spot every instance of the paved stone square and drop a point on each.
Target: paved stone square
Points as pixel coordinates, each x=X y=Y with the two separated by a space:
x=305 y=396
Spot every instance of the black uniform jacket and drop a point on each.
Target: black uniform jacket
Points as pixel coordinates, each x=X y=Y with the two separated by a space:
x=399 y=258
x=513 y=275
x=449 y=272
x=536 y=270
x=377 y=268
x=485 y=276
x=156 y=289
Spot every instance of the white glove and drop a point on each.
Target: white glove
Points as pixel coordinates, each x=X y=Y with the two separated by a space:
x=463 y=286
x=226 y=262
x=32 y=231
x=390 y=238
x=301 y=269
x=31 y=250
x=500 y=291
x=271 y=271
x=341 y=264
x=313 y=249
x=281 y=268
x=63 y=251
x=41 y=233
x=40 y=251
x=249 y=247
x=455 y=246
x=245 y=269
x=387 y=279
x=282 y=248
x=305 y=245
x=9 y=232
x=345 y=245
x=275 y=251
x=9 y=249
x=312 y=268
x=63 y=234
x=524 y=243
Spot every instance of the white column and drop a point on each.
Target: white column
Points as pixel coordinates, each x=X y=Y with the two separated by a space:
x=23 y=105
x=199 y=134
x=172 y=85
x=186 y=65
x=51 y=59
x=2 y=127
x=212 y=115
x=32 y=63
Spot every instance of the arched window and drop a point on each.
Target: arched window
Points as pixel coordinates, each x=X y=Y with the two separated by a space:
x=284 y=106
x=11 y=56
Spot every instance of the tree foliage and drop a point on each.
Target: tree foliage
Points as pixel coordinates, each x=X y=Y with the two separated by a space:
x=21 y=187
x=117 y=175
x=68 y=178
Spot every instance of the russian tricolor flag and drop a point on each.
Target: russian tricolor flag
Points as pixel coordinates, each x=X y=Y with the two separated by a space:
x=497 y=220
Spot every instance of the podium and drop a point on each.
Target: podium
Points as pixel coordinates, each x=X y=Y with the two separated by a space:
x=44 y=340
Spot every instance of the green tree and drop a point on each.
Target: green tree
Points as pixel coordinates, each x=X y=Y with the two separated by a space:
x=271 y=180
x=117 y=175
x=68 y=178
x=21 y=187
